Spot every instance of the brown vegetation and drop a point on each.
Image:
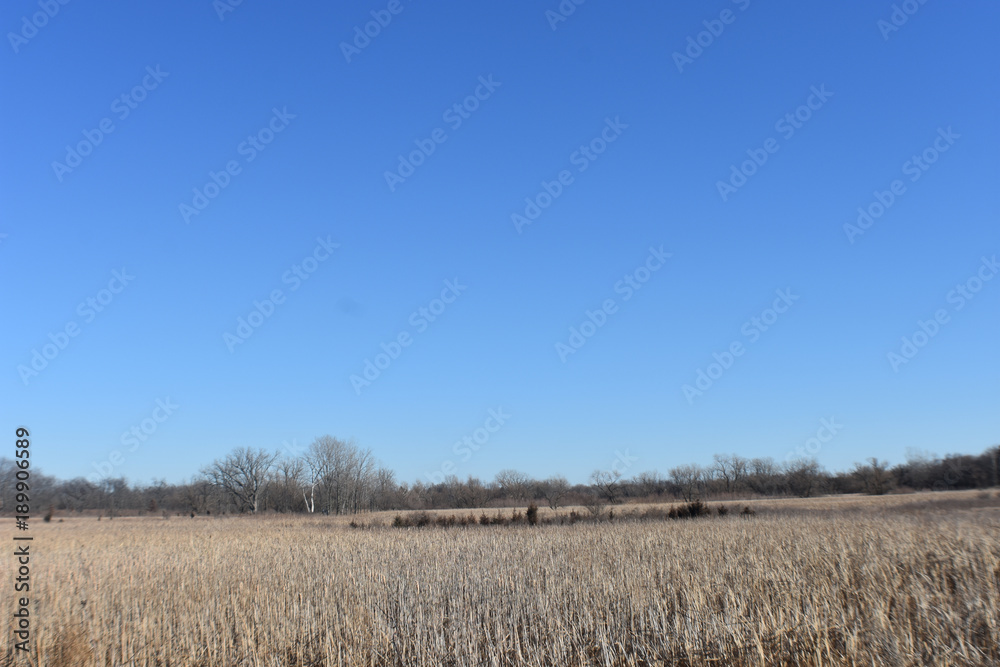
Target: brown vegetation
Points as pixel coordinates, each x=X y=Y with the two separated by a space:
x=869 y=580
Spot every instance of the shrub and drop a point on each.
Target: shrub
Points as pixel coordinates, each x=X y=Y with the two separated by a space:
x=697 y=508
x=483 y=519
x=48 y=515
x=722 y=510
x=747 y=511
x=398 y=522
x=532 y=514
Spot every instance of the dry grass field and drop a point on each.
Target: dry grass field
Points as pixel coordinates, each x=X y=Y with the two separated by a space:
x=900 y=580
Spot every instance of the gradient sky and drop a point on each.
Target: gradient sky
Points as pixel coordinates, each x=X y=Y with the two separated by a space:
x=894 y=93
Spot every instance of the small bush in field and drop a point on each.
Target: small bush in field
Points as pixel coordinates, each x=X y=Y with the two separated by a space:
x=722 y=510
x=747 y=511
x=483 y=519
x=532 y=514
x=697 y=508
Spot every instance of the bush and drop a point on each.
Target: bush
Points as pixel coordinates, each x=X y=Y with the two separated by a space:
x=48 y=515
x=747 y=511
x=532 y=514
x=722 y=510
x=697 y=508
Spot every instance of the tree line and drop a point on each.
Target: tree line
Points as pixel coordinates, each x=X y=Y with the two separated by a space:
x=334 y=476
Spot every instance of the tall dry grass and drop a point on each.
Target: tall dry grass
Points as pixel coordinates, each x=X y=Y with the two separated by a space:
x=883 y=588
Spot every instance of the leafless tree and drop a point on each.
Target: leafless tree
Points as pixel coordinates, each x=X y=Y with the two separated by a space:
x=242 y=475
x=730 y=469
x=554 y=490
x=607 y=484
x=689 y=479
x=874 y=475
x=803 y=476
x=513 y=484
x=649 y=483
x=762 y=475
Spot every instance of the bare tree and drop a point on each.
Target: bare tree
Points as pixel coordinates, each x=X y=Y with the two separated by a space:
x=731 y=469
x=242 y=475
x=689 y=479
x=762 y=474
x=649 y=483
x=327 y=461
x=554 y=490
x=607 y=484
x=283 y=492
x=874 y=475
x=803 y=476
x=513 y=484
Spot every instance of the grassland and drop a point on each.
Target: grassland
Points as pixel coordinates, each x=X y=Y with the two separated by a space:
x=900 y=580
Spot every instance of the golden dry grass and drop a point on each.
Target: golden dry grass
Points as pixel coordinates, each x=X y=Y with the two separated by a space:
x=892 y=585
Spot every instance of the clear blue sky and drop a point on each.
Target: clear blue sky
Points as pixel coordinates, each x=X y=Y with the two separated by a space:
x=889 y=95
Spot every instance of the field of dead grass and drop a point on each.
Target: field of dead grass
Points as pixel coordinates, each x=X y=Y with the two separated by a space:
x=900 y=580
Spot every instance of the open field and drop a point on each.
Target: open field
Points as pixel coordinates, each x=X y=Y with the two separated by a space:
x=897 y=580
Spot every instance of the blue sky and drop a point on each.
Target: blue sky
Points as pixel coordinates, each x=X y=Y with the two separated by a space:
x=329 y=126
